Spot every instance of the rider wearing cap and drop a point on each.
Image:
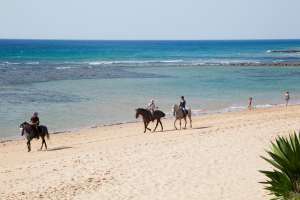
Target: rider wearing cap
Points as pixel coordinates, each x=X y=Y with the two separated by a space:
x=35 y=122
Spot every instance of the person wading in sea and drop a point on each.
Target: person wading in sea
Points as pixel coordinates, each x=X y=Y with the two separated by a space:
x=250 y=103
x=287 y=98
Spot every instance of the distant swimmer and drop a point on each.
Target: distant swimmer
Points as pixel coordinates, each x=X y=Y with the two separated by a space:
x=250 y=103
x=287 y=98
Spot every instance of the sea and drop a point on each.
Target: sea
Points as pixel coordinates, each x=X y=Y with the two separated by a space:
x=75 y=84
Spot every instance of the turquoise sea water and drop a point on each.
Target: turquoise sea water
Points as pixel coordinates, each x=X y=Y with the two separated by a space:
x=75 y=84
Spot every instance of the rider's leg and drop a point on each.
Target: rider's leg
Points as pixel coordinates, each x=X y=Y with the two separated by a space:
x=37 y=132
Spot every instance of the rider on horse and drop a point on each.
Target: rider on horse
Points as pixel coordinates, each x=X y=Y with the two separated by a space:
x=151 y=107
x=35 y=122
x=182 y=105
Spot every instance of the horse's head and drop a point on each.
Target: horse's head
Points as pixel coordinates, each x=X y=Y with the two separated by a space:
x=175 y=109
x=23 y=126
x=137 y=113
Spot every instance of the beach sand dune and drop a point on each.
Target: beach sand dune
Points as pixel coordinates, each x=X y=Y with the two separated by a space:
x=216 y=160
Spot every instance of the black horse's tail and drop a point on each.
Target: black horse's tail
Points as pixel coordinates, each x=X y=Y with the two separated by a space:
x=47 y=134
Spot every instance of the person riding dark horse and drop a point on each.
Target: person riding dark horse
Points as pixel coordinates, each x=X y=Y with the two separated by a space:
x=35 y=122
x=151 y=107
x=182 y=105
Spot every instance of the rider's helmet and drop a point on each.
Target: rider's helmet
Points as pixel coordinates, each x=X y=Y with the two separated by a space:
x=182 y=97
x=35 y=114
x=152 y=100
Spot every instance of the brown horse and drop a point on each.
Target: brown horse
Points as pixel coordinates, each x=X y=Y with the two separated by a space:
x=179 y=114
x=30 y=133
x=148 y=117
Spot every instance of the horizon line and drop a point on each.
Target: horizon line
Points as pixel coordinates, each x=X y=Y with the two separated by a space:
x=77 y=39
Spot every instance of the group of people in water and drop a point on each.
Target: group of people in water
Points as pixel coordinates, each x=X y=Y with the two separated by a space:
x=286 y=98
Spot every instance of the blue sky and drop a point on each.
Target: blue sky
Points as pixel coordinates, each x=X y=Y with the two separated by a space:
x=150 y=19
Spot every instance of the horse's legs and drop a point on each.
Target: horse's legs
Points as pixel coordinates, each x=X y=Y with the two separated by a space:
x=162 y=128
x=156 y=125
x=28 y=145
x=180 y=123
x=45 y=144
x=184 y=123
x=145 y=127
x=43 y=141
x=175 y=124
x=190 y=118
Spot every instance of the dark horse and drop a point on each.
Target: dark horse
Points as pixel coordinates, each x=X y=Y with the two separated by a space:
x=148 y=117
x=29 y=133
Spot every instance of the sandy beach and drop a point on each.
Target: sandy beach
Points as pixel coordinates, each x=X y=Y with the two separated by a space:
x=217 y=159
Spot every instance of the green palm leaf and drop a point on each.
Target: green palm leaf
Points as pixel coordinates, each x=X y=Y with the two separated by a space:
x=283 y=182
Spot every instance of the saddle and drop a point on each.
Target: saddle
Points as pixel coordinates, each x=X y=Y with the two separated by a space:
x=185 y=112
x=36 y=130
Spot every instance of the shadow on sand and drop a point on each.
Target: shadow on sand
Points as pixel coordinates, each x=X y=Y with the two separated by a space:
x=172 y=130
x=59 y=148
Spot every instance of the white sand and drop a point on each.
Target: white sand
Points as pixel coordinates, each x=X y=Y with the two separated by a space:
x=216 y=160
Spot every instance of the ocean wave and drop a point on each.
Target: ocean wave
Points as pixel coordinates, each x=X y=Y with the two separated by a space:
x=274 y=62
x=133 y=62
x=62 y=68
x=32 y=63
x=284 y=51
x=284 y=61
x=177 y=62
x=10 y=63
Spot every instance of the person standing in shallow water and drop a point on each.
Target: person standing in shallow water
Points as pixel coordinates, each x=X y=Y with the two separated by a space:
x=287 y=98
x=250 y=103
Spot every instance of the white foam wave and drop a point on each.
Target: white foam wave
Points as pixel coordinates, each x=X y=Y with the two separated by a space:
x=101 y=63
x=133 y=62
x=62 y=68
x=264 y=106
x=32 y=63
x=11 y=63
x=179 y=62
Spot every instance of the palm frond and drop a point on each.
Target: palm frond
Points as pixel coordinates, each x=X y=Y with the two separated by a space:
x=283 y=182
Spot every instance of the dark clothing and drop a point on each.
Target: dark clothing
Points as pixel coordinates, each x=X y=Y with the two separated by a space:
x=35 y=120
x=182 y=104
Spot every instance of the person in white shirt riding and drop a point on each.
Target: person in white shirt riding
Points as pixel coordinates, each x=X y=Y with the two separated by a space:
x=151 y=106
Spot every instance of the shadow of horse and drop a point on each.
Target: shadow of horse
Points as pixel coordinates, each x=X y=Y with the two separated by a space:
x=196 y=128
x=59 y=148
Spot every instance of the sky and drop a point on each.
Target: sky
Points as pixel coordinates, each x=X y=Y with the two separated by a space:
x=150 y=19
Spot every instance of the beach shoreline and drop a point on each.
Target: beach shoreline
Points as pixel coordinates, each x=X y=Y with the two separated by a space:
x=195 y=113
x=217 y=157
